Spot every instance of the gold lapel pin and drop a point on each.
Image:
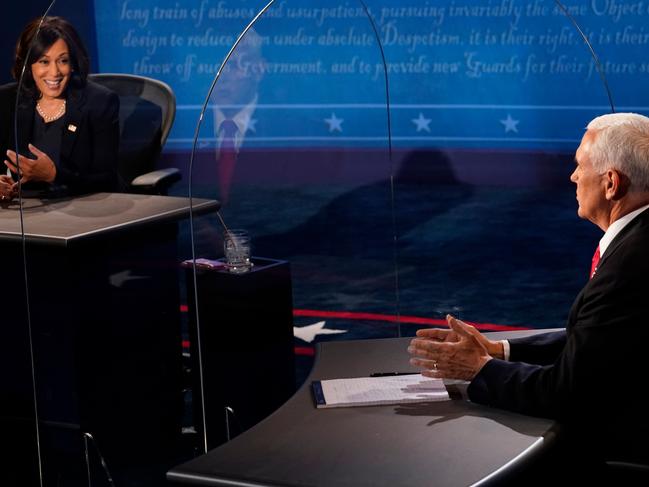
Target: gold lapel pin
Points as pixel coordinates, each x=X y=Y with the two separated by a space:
x=72 y=128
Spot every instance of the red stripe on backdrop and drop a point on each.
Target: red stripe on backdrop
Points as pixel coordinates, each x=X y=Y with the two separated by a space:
x=415 y=320
x=308 y=351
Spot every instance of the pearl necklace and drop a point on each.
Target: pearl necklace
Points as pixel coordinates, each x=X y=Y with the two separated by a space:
x=59 y=113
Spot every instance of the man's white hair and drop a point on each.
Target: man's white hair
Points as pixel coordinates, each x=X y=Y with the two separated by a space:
x=622 y=143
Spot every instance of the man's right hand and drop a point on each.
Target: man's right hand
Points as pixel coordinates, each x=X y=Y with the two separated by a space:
x=495 y=348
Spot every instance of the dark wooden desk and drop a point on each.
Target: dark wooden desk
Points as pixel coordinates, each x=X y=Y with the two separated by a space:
x=72 y=221
x=452 y=443
x=103 y=276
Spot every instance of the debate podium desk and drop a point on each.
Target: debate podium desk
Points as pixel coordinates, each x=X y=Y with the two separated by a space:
x=255 y=308
x=449 y=443
x=104 y=299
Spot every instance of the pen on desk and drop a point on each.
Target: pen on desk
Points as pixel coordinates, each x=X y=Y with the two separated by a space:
x=388 y=374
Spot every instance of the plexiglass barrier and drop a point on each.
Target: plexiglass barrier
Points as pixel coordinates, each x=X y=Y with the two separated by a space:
x=294 y=143
x=485 y=211
x=20 y=411
x=373 y=204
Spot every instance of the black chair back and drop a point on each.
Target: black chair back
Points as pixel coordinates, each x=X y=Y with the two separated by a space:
x=147 y=112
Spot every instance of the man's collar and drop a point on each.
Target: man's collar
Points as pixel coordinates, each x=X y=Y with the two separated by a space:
x=616 y=227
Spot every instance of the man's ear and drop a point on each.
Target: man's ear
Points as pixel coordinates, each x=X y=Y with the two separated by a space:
x=617 y=184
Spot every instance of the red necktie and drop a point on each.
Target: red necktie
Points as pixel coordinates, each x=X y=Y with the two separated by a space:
x=594 y=262
x=227 y=157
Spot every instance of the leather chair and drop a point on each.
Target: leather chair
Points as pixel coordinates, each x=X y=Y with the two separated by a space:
x=147 y=112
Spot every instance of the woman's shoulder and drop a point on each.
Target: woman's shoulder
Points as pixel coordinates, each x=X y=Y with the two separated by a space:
x=95 y=89
x=93 y=98
x=7 y=99
x=8 y=90
x=94 y=92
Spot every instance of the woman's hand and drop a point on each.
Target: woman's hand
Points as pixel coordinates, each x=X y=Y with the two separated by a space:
x=41 y=168
x=8 y=189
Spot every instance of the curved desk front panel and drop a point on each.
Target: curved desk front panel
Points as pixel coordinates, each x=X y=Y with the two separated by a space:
x=451 y=443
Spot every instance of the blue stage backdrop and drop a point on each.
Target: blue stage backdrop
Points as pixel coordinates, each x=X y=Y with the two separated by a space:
x=480 y=73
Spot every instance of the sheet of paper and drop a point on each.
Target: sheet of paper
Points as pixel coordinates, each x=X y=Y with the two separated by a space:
x=364 y=391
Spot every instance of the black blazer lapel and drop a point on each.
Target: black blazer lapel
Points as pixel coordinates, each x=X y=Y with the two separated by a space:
x=73 y=120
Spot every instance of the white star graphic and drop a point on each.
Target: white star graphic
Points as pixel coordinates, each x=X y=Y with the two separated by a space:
x=119 y=278
x=335 y=123
x=422 y=123
x=309 y=332
x=251 y=126
x=511 y=125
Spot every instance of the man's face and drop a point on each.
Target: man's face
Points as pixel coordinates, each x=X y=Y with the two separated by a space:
x=240 y=79
x=590 y=184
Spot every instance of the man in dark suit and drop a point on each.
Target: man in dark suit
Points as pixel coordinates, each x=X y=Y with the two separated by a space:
x=591 y=376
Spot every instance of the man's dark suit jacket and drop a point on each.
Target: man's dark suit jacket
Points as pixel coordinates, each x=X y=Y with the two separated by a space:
x=90 y=141
x=593 y=376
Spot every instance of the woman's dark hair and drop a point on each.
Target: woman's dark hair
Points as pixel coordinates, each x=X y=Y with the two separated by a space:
x=52 y=29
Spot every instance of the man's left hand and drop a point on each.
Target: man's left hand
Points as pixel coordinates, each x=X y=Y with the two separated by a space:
x=462 y=357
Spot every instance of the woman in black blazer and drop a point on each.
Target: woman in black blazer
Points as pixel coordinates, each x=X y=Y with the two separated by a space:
x=68 y=127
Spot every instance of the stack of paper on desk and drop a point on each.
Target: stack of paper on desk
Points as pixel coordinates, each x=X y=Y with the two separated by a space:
x=371 y=391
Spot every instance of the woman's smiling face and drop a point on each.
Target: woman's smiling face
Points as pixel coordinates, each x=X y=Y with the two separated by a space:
x=51 y=72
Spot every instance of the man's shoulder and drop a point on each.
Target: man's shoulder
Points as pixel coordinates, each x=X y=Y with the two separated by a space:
x=644 y=216
x=7 y=101
x=638 y=230
x=627 y=253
